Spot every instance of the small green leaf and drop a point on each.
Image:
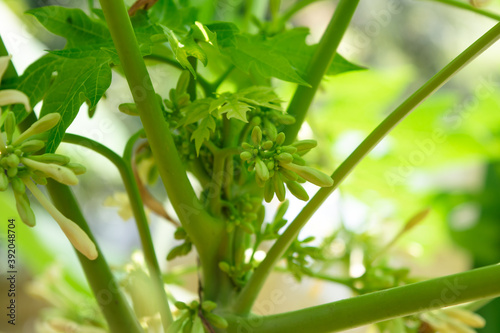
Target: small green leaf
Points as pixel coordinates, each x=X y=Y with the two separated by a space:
x=225 y=32
x=202 y=133
x=185 y=47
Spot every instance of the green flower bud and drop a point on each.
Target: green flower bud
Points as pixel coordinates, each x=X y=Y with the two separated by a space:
x=208 y=306
x=267 y=145
x=246 y=146
x=181 y=305
x=51 y=158
x=24 y=209
x=246 y=155
x=286 y=119
x=10 y=125
x=12 y=161
x=311 y=175
x=180 y=233
x=4 y=180
x=217 y=321
x=270 y=166
x=43 y=124
x=256 y=135
x=289 y=149
x=297 y=190
x=183 y=101
x=261 y=170
x=290 y=175
x=270 y=130
x=284 y=158
x=230 y=227
x=77 y=168
x=280 y=138
x=297 y=159
x=18 y=185
x=279 y=188
x=224 y=266
x=247 y=227
x=256 y=120
x=305 y=145
x=269 y=191
x=12 y=172
x=129 y=109
x=32 y=146
x=60 y=173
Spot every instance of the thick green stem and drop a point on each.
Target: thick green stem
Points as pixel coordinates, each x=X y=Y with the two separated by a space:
x=467 y=6
x=378 y=306
x=321 y=60
x=125 y=169
x=251 y=290
x=118 y=314
x=202 y=228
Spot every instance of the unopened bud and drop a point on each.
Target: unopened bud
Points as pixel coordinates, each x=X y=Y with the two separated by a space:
x=305 y=145
x=59 y=173
x=24 y=209
x=256 y=135
x=311 y=175
x=297 y=190
x=246 y=155
x=129 y=109
x=4 y=180
x=44 y=124
x=77 y=168
x=32 y=146
x=261 y=170
x=10 y=125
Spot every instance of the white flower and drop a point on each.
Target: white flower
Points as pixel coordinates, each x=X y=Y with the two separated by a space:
x=11 y=96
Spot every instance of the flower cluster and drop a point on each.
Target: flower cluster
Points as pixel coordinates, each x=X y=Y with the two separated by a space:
x=21 y=167
x=190 y=320
x=276 y=164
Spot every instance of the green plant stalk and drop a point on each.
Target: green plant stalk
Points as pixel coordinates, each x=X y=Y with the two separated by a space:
x=251 y=290
x=321 y=60
x=118 y=314
x=378 y=306
x=125 y=168
x=202 y=228
x=464 y=5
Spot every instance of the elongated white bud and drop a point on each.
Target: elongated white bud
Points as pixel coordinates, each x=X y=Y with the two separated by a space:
x=311 y=175
x=11 y=96
x=58 y=172
x=80 y=240
x=43 y=124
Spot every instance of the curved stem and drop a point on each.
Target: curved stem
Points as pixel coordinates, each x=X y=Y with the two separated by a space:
x=125 y=169
x=379 y=306
x=321 y=60
x=251 y=290
x=202 y=228
x=464 y=5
